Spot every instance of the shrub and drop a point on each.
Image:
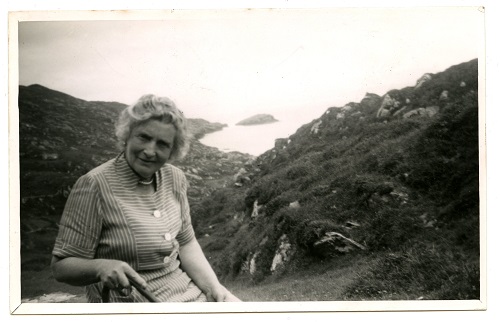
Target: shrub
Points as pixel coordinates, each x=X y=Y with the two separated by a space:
x=391 y=228
x=297 y=171
x=311 y=231
x=438 y=273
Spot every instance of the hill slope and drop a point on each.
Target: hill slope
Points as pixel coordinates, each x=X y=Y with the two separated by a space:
x=389 y=184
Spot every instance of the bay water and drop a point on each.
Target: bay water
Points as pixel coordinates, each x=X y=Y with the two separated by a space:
x=251 y=139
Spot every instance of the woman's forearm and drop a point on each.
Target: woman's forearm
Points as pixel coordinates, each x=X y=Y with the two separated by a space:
x=115 y=274
x=75 y=271
x=195 y=264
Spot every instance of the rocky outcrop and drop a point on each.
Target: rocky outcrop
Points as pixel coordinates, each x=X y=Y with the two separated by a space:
x=199 y=127
x=256 y=209
x=426 y=77
x=427 y=111
x=258 y=120
x=283 y=253
x=315 y=127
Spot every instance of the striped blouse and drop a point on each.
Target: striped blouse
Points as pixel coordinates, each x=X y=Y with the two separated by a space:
x=105 y=217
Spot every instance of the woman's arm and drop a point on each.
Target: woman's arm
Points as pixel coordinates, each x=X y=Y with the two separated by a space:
x=79 y=272
x=195 y=264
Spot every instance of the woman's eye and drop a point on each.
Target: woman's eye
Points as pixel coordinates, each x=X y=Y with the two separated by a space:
x=164 y=145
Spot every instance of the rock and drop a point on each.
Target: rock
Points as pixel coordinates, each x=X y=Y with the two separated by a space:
x=426 y=77
x=240 y=173
x=400 y=111
x=315 y=127
x=412 y=113
x=256 y=208
x=388 y=104
x=282 y=254
x=253 y=260
x=258 y=120
x=400 y=195
x=443 y=96
x=431 y=110
x=50 y=156
x=370 y=96
x=382 y=112
x=428 y=111
x=294 y=205
x=430 y=223
x=462 y=84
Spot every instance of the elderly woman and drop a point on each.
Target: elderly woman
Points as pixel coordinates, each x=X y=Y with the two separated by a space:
x=127 y=221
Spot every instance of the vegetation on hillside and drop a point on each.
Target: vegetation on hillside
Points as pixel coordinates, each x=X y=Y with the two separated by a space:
x=402 y=186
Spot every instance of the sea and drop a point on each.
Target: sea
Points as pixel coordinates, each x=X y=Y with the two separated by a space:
x=251 y=139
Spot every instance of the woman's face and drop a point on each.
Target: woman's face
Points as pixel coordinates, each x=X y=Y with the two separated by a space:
x=149 y=146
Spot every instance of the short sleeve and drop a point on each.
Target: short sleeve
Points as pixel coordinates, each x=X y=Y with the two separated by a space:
x=186 y=234
x=81 y=222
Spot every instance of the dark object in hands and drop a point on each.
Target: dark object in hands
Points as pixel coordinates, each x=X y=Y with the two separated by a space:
x=147 y=294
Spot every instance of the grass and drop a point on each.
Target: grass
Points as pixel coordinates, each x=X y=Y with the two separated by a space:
x=324 y=281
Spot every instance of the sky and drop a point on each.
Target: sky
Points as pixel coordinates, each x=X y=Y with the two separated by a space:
x=228 y=64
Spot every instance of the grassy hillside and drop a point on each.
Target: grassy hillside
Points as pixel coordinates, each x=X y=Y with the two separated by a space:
x=388 y=185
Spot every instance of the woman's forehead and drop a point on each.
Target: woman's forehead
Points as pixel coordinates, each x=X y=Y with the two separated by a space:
x=155 y=127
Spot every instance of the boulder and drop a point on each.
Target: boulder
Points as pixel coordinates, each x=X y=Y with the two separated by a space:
x=388 y=104
x=430 y=111
x=256 y=208
x=426 y=77
x=283 y=253
x=315 y=127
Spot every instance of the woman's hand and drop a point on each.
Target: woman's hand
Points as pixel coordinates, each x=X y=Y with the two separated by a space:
x=221 y=294
x=115 y=274
x=195 y=264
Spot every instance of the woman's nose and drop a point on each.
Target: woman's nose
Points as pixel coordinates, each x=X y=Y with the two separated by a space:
x=149 y=150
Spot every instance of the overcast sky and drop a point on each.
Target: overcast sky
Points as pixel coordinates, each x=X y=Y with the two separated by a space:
x=226 y=65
